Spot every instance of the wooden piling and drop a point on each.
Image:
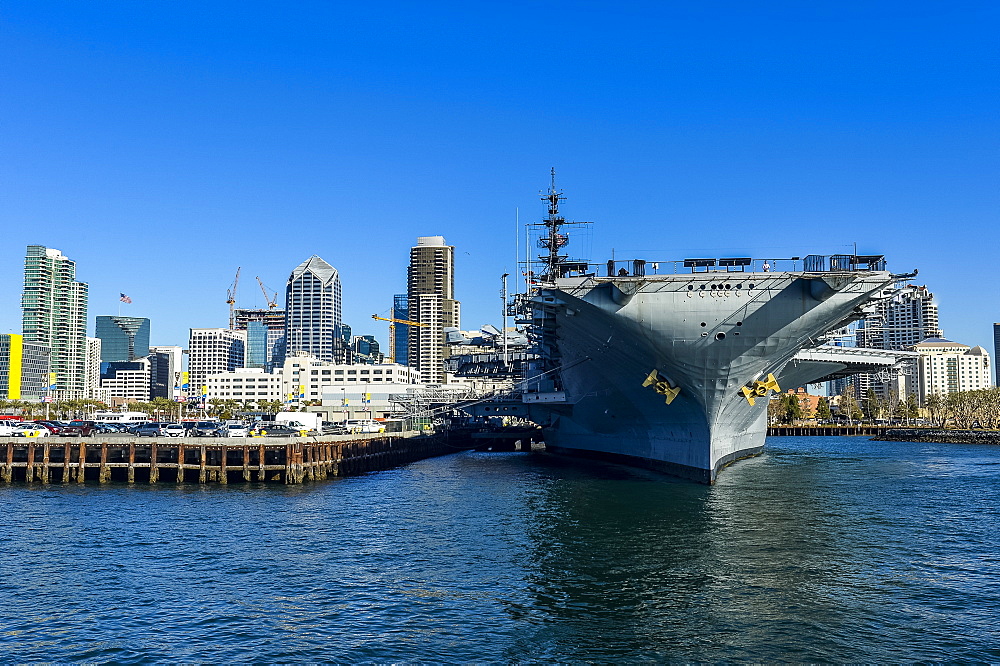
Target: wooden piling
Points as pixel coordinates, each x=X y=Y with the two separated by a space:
x=29 y=471
x=180 y=463
x=131 y=462
x=154 y=472
x=223 y=477
x=202 y=472
x=67 y=456
x=81 y=470
x=104 y=474
x=8 y=469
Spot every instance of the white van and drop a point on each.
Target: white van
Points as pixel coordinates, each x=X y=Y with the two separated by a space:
x=363 y=426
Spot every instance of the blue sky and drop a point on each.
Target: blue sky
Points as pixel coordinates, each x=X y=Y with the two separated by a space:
x=163 y=144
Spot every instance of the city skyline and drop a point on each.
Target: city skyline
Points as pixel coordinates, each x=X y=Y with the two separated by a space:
x=162 y=148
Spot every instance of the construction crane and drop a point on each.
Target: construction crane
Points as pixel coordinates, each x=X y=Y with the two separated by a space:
x=231 y=298
x=272 y=301
x=392 y=332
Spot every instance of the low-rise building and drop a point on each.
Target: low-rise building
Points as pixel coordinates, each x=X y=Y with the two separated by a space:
x=949 y=367
x=305 y=378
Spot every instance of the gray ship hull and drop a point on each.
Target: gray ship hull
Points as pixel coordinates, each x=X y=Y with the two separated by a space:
x=623 y=346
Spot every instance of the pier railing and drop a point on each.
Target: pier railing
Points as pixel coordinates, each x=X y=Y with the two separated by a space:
x=813 y=263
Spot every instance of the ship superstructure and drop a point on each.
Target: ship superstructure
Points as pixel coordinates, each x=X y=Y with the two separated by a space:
x=670 y=365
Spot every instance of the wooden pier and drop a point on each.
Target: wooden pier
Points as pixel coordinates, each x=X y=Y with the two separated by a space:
x=826 y=431
x=208 y=460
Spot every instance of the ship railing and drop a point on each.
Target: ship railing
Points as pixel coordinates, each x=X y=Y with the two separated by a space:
x=813 y=263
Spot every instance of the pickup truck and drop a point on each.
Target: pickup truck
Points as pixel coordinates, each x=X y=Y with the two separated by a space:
x=78 y=429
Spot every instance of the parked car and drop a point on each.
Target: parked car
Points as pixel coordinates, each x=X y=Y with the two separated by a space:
x=279 y=431
x=204 y=428
x=54 y=427
x=79 y=429
x=233 y=430
x=175 y=430
x=159 y=429
x=32 y=430
x=8 y=428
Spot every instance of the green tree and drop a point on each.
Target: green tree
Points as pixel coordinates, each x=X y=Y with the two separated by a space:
x=823 y=410
x=789 y=409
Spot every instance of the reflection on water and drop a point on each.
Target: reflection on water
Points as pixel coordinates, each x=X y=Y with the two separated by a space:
x=827 y=549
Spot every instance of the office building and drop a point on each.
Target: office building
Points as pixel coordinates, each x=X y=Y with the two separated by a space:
x=172 y=357
x=265 y=336
x=24 y=368
x=950 y=367
x=127 y=380
x=211 y=351
x=313 y=311
x=122 y=338
x=365 y=349
x=398 y=345
x=431 y=301
x=54 y=315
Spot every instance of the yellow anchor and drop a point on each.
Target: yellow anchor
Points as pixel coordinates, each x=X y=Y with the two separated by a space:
x=662 y=386
x=760 y=388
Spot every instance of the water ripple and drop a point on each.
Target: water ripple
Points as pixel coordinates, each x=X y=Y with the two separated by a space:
x=827 y=549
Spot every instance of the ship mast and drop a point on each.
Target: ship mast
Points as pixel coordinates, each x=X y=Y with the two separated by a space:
x=553 y=240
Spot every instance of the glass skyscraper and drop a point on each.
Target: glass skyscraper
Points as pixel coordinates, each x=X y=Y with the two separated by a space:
x=313 y=311
x=400 y=334
x=54 y=314
x=123 y=338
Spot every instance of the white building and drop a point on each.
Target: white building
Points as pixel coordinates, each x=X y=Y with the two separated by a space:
x=212 y=351
x=305 y=378
x=949 y=367
x=93 y=372
x=128 y=380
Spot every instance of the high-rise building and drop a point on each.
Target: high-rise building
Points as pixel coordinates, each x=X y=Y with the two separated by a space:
x=398 y=346
x=897 y=324
x=169 y=361
x=211 y=351
x=94 y=390
x=24 y=368
x=431 y=300
x=313 y=311
x=123 y=338
x=54 y=308
x=265 y=337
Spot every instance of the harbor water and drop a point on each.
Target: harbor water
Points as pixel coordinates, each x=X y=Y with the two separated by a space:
x=822 y=549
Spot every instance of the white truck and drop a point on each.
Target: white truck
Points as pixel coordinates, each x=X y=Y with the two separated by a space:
x=300 y=420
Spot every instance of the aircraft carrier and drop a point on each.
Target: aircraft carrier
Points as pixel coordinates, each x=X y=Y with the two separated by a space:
x=671 y=365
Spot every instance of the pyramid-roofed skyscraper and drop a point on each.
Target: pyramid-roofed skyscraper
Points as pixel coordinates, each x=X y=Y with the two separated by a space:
x=313 y=311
